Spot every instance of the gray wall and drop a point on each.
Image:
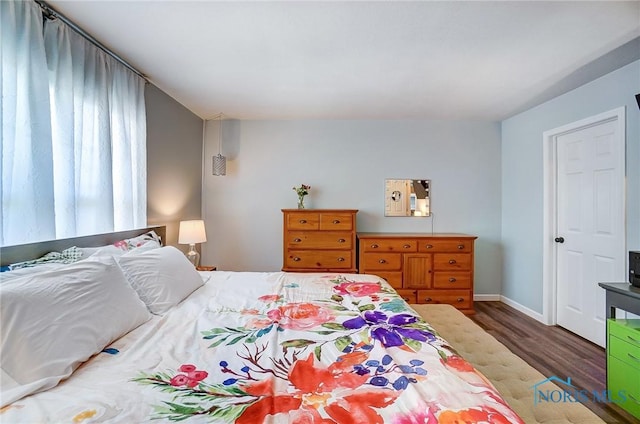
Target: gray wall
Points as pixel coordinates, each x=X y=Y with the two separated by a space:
x=522 y=175
x=174 y=163
x=346 y=163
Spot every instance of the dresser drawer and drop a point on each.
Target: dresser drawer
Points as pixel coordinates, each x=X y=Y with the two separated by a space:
x=336 y=221
x=408 y=296
x=318 y=259
x=452 y=261
x=461 y=299
x=318 y=240
x=381 y=262
x=625 y=329
x=389 y=245
x=447 y=245
x=625 y=351
x=452 y=280
x=622 y=379
x=394 y=278
x=303 y=221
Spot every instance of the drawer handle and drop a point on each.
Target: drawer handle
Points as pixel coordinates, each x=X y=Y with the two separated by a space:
x=296 y=259
x=452 y=261
x=452 y=280
x=340 y=259
x=428 y=299
x=633 y=357
x=303 y=221
x=461 y=246
x=382 y=261
x=341 y=240
x=374 y=246
x=297 y=240
x=460 y=299
x=336 y=221
x=633 y=340
x=407 y=246
x=406 y=299
x=429 y=246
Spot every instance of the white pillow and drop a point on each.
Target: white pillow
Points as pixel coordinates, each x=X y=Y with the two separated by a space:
x=55 y=320
x=104 y=251
x=132 y=243
x=162 y=277
x=143 y=248
x=148 y=240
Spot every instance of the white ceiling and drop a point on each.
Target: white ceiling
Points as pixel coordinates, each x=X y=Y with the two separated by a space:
x=360 y=60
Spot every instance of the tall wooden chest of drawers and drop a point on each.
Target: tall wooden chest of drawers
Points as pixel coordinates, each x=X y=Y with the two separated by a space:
x=434 y=268
x=319 y=240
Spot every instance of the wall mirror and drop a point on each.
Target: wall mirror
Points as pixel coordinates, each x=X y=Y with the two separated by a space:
x=407 y=198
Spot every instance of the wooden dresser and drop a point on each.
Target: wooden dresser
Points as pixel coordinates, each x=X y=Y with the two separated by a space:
x=319 y=240
x=434 y=268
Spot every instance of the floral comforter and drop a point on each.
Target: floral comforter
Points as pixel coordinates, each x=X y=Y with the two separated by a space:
x=277 y=348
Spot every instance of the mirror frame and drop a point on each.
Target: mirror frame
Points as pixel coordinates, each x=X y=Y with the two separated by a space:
x=407 y=197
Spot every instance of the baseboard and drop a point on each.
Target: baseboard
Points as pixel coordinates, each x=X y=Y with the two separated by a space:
x=486 y=297
x=521 y=308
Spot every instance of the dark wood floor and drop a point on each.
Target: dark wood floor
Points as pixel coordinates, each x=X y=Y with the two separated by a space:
x=552 y=350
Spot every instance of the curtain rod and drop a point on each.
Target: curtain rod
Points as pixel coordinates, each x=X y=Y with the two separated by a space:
x=51 y=13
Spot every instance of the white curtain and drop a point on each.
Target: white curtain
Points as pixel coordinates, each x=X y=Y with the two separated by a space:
x=27 y=163
x=97 y=140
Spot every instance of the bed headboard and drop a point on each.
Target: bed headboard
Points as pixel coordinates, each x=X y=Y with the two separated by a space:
x=25 y=252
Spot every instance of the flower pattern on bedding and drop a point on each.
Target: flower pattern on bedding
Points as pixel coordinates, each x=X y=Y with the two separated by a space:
x=359 y=355
x=134 y=242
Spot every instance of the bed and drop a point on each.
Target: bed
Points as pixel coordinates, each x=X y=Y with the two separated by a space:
x=139 y=335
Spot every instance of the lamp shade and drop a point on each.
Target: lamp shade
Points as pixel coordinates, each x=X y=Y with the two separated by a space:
x=219 y=165
x=192 y=232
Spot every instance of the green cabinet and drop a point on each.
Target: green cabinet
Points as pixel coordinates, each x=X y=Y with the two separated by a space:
x=623 y=363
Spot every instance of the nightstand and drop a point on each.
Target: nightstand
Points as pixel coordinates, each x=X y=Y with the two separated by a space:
x=205 y=268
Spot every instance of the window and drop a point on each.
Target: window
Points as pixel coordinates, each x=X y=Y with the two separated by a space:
x=73 y=133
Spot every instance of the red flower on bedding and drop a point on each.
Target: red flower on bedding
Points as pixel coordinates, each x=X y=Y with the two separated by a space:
x=122 y=244
x=270 y=298
x=190 y=378
x=458 y=364
x=483 y=414
x=338 y=392
x=423 y=414
x=258 y=323
x=300 y=316
x=357 y=289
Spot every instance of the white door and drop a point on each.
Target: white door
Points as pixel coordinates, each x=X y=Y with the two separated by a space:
x=590 y=228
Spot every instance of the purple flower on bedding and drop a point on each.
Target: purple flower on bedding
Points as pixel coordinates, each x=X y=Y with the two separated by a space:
x=390 y=331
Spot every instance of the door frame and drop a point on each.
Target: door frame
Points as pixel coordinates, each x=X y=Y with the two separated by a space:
x=549 y=204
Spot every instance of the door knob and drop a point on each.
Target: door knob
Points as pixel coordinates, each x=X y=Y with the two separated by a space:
x=559 y=239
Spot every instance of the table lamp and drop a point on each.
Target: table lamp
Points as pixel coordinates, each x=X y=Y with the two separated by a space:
x=192 y=232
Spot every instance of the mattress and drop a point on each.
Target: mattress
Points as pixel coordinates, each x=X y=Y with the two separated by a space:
x=276 y=347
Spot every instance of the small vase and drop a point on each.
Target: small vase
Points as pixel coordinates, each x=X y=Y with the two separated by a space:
x=300 y=202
